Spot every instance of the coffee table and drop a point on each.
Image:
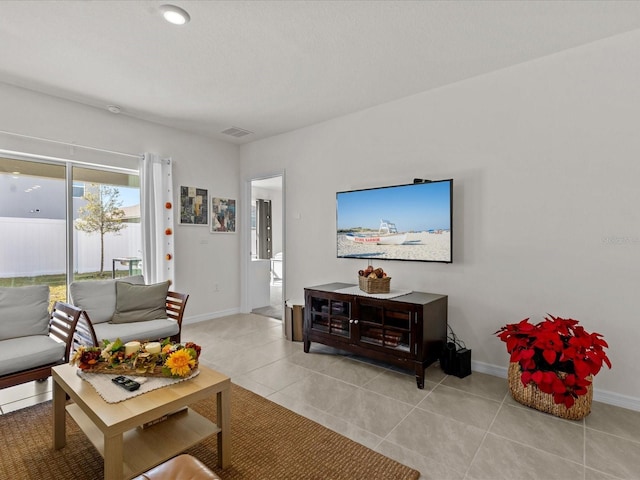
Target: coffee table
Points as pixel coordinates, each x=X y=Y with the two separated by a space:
x=113 y=427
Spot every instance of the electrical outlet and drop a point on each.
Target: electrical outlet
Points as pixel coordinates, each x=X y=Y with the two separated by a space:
x=216 y=287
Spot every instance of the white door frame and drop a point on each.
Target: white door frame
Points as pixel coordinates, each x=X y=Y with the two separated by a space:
x=245 y=242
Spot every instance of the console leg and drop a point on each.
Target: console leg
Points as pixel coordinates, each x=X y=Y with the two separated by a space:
x=307 y=346
x=420 y=375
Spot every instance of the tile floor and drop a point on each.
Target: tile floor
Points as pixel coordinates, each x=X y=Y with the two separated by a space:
x=455 y=428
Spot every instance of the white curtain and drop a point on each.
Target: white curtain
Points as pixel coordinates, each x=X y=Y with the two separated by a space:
x=156 y=208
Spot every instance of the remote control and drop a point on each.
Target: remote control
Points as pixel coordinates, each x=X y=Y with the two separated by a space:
x=126 y=383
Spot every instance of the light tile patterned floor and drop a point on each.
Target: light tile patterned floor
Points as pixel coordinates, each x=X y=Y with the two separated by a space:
x=455 y=428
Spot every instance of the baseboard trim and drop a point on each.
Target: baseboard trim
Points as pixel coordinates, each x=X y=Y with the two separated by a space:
x=203 y=317
x=603 y=396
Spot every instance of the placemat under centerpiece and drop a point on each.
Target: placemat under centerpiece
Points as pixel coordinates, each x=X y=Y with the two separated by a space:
x=152 y=359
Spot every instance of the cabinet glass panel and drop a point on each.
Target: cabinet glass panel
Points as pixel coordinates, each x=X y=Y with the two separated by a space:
x=371 y=314
x=339 y=308
x=330 y=316
x=397 y=319
x=320 y=314
x=319 y=305
x=385 y=337
x=319 y=322
x=339 y=326
x=339 y=315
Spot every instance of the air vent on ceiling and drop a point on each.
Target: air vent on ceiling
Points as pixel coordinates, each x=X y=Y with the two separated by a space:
x=236 y=132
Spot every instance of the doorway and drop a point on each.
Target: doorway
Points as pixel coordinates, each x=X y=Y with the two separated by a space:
x=266 y=269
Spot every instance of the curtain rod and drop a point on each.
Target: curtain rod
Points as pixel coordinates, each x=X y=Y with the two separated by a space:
x=96 y=149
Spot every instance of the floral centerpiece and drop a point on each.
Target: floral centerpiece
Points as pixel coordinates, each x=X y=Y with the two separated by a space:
x=166 y=359
x=557 y=356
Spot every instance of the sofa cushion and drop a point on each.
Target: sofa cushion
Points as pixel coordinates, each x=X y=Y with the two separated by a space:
x=24 y=311
x=98 y=297
x=139 y=303
x=26 y=353
x=141 y=331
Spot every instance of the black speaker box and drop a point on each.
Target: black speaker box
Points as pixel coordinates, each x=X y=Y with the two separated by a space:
x=456 y=361
x=463 y=363
x=448 y=358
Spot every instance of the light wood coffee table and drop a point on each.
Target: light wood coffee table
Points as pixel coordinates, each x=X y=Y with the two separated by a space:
x=113 y=427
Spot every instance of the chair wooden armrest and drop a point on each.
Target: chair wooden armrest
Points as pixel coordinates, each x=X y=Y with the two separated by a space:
x=85 y=334
x=176 y=303
x=62 y=324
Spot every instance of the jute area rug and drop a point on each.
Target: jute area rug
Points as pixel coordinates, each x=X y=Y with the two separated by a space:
x=268 y=442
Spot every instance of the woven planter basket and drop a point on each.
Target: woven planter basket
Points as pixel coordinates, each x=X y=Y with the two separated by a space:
x=374 y=285
x=532 y=397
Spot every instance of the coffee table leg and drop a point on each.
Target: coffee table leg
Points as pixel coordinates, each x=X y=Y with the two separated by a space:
x=59 y=417
x=224 y=422
x=113 y=460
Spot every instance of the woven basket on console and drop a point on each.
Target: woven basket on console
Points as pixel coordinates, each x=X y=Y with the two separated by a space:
x=375 y=285
x=532 y=397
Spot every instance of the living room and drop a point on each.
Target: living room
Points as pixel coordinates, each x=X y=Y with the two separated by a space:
x=543 y=154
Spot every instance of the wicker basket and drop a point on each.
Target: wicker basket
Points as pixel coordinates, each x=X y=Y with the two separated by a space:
x=374 y=285
x=532 y=397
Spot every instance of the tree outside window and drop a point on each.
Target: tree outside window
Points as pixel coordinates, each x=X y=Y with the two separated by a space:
x=101 y=214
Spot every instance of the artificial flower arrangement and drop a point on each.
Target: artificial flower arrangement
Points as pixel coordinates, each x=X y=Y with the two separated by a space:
x=557 y=355
x=166 y=359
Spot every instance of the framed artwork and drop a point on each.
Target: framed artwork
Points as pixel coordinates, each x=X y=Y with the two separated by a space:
x=194 y=206
x=223 y=215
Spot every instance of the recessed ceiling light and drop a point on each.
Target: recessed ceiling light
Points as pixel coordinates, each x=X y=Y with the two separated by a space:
x=175 y=15
x=114 y=108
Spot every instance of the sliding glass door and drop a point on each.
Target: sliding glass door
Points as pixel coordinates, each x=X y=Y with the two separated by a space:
x=106 y=224
x=33 y=225
x=49 y=215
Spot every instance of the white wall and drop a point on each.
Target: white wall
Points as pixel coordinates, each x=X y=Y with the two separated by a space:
x=545 y=162
x=202 y=259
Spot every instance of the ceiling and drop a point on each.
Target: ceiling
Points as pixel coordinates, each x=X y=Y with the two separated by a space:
x=271 y=67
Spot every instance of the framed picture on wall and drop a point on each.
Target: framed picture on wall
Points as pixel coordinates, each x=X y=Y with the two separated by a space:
x=194 y=206
x=223 y=215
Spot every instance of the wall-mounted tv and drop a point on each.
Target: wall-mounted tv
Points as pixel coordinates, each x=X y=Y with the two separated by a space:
x=401 y=222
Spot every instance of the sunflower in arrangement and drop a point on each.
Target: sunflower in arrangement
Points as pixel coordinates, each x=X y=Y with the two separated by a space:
x=181 y=361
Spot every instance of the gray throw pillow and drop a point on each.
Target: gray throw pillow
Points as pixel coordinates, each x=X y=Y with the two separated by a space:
x=24 y=311
x=98 y=297
x=139 y=303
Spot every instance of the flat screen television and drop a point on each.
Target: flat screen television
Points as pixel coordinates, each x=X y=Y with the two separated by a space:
x=401 y=222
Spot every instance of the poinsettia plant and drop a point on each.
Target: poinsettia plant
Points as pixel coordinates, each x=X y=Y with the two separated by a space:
x=557 y=355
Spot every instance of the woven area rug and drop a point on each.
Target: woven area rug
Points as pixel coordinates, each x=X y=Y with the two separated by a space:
x=268 y=442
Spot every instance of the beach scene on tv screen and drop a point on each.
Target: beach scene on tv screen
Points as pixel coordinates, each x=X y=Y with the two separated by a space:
x=405 y=222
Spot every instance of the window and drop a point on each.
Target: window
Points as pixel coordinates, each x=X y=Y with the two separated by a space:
x=78 y=190
x=106 y=225
x=34 y=225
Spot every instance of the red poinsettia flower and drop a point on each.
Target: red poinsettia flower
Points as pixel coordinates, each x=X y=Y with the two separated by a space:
x=557 y=355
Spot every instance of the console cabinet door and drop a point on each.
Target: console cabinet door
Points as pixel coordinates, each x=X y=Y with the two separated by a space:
x=329 y=315
x=388 y=326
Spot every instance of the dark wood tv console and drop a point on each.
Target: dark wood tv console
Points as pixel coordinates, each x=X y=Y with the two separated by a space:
x=408 y=331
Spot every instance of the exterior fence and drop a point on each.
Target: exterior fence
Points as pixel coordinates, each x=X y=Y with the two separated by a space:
x=34 y=247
